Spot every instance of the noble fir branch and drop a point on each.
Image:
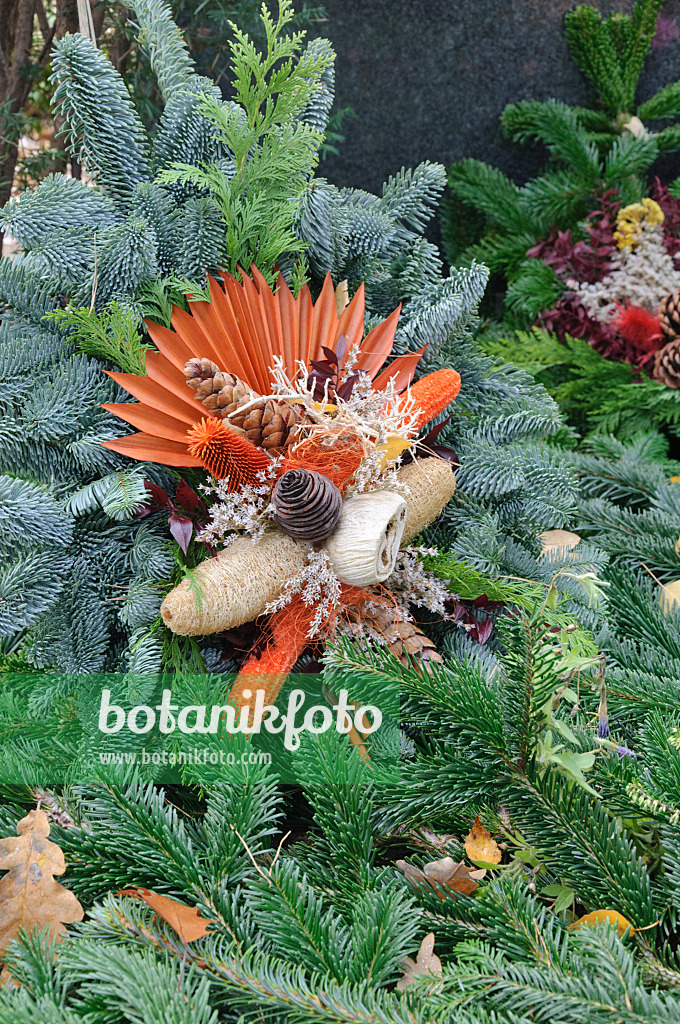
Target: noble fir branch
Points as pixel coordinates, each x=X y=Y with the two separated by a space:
x=100 y=122
x=167 y=50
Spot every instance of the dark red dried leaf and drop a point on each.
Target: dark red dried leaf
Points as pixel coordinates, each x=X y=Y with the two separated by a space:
x=157 y=495
x=188 y=499
x=181 y=528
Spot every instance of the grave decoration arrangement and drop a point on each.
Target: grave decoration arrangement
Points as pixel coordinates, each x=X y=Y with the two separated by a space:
x=310 y=438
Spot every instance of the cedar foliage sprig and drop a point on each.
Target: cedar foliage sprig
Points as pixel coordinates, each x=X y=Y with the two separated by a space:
x=274 y=150
x=112 y=334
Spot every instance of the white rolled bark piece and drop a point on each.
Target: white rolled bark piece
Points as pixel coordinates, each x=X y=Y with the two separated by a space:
x=233 y=587
x=364 y=548
x=431 y=484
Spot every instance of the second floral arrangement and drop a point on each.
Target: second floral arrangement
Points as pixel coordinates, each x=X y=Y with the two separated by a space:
x=622 y=283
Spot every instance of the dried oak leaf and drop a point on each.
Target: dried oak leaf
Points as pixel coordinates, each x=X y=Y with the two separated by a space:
x=426 y=962
x=444 y=874
x=30 y=896
x=183 y=918
x=481 y=846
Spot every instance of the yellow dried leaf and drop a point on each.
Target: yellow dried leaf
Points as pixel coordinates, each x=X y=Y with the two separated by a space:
x=391 y=449
x=600 y=917
x=669 y=596
x=30 y=897
x=553 y=540
x=341 y=297
x=481 y=846
x=426 y=962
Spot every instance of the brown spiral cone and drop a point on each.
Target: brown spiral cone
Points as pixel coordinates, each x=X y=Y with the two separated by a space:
x=669 y=315
x=405 y=640
x=306 y=504
x=667 y=365
x=267 y=424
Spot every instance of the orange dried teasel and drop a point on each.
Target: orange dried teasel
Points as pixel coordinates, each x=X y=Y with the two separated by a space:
x=225 y=453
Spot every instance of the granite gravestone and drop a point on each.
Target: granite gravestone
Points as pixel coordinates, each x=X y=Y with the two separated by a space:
x=428 y=81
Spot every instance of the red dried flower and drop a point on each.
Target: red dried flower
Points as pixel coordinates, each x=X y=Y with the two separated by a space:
x=638 y=326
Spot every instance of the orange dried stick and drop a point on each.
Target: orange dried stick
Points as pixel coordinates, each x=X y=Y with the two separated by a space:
x=289 y=627
x=432 y=394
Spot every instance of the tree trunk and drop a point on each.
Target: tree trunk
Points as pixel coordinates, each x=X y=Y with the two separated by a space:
x=16 y=39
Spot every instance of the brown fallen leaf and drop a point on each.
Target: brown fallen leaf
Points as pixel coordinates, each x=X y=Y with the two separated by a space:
x=426 y=962
x=481 y=846
x=30 y=896
x=184 y=919
x=600 y=917
x=444 y=874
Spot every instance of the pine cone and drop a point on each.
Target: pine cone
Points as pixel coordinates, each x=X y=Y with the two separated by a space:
x=306 y=505
x=405 y=640
x=268 y=424
x=667 y=365
x=669 y=315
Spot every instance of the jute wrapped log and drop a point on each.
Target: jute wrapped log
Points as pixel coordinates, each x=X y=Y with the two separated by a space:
x=234 y=587
x=431 y=483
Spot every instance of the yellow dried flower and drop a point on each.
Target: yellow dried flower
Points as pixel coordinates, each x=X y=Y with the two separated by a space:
x=630 y=219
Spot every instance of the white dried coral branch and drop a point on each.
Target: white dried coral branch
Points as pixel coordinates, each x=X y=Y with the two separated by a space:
x=317 y=585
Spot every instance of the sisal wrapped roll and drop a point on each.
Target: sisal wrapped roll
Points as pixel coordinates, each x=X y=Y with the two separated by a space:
x=235 y=586
x=431 y=483
x=364 y=548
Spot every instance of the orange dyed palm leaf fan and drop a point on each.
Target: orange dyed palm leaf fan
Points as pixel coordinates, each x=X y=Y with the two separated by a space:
x=244 y=329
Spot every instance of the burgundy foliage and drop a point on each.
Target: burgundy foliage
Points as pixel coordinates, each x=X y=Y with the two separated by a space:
x=326 y=373
x=587 y=259
x=671 y=212
x=187 y=511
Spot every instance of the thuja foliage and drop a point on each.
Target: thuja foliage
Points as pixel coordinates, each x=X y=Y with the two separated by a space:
x=596 y=395
x=591 y=150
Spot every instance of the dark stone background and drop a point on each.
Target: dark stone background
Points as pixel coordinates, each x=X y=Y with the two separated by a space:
x=428 y=81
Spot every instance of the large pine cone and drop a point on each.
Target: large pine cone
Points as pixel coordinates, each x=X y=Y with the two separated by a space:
x=667 y=365
x=307 y=505
x=669 y=315
x=267 y=424
x=405 y=640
